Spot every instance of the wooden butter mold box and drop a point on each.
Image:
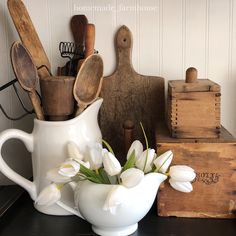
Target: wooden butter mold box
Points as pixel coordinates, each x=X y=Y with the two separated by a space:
x=214 y=188
x=193 y=107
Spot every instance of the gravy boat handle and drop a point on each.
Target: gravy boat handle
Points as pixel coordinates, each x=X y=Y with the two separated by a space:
x=73 y=210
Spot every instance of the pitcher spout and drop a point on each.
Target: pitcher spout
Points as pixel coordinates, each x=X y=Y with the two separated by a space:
x=92 y=110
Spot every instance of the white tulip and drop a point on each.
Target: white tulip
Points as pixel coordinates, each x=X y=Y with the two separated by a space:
x=95 y=156
x=55 y=177
x=140 y=163
x=162 y=162
x=49 y=195
x=115 y=197
x=131 y=177
x=182 y=173
x=73 y=151
x=137 y=147
x=111 y=164
x=185 y=187
x=69 y=168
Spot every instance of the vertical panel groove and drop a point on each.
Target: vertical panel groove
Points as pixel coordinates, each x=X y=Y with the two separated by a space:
x=231 y=8
x=7 y=46
x=116 y=12
x=183 y=37
x=137 y=33
x=114 y=16
x=70 y=6
x=207 y=39
x=160 y=38
x=49 y=18
x=93 y=11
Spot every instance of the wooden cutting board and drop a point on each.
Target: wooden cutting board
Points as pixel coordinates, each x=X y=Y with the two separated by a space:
x=28 y=35
x=129 y=96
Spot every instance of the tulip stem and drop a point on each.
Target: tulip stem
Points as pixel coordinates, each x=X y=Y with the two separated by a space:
x=60 y=186
x=118 y=179
x=108 y=146
x=146 y=141
x=157 y=170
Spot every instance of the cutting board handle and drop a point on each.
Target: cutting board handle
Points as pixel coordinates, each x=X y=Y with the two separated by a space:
x=124 y=44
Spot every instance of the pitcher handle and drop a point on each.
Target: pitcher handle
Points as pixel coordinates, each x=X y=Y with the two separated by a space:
x=27 y=139
x=73 y=210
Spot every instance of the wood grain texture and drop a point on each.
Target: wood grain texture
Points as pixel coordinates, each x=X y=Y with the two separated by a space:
x=89 y=44
x=26 y=73
x=28 y=35
x=57 y=97
x=78 y=25
x=129 y=96
x=214 y=187
x=88 y=82
x=194 y=109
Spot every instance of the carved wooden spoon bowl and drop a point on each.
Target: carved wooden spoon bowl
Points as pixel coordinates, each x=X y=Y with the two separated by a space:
x=88 y=82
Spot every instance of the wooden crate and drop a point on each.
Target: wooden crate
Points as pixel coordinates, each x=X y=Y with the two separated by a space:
x=214 y=189
x=193 y=107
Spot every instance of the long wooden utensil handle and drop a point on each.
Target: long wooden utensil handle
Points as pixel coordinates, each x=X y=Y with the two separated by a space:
x=36 y=104
x=90 y=40
x=78 y=25
x=89 y=43
x=28 y=35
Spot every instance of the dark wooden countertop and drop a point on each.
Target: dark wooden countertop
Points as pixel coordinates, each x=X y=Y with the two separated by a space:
x=22 y=219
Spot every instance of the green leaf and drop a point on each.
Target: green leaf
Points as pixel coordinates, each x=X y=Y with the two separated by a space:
x=94 y=180
x=104 y=176
x=108 y=146
x=90 y=174
x=130 y=162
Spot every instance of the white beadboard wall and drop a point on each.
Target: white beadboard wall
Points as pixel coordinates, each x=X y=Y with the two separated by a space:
x=169 y=36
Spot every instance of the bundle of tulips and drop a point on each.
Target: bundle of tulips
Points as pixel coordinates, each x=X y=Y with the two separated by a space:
x=100 y=166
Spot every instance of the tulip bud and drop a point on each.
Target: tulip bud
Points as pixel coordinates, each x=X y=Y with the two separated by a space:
x=182 y=173
x=73 y=151
x=111 y=164
x=115 y=197
x=148 y=159
x=55 y=177
x=95 y=156
x=162 y=162
x=131 y=177
x=185 y=187
x=49 y=195
x=69 y=168
x=137 y=147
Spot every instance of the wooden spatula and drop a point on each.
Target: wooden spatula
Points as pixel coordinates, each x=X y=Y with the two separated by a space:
x=78 y=25
x=29 y=36
x=26 y=73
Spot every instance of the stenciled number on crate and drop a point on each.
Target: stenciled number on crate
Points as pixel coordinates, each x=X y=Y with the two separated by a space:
x=207 y=178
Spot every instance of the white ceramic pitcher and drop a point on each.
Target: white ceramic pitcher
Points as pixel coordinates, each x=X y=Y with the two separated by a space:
x=48 y=145
x=90 y=198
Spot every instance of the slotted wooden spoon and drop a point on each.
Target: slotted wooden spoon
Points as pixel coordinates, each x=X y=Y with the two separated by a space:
x=88 y=82
x=26 y=73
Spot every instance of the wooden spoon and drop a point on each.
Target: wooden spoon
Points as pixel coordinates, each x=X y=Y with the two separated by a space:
x=26 y=74
x=88 y=82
